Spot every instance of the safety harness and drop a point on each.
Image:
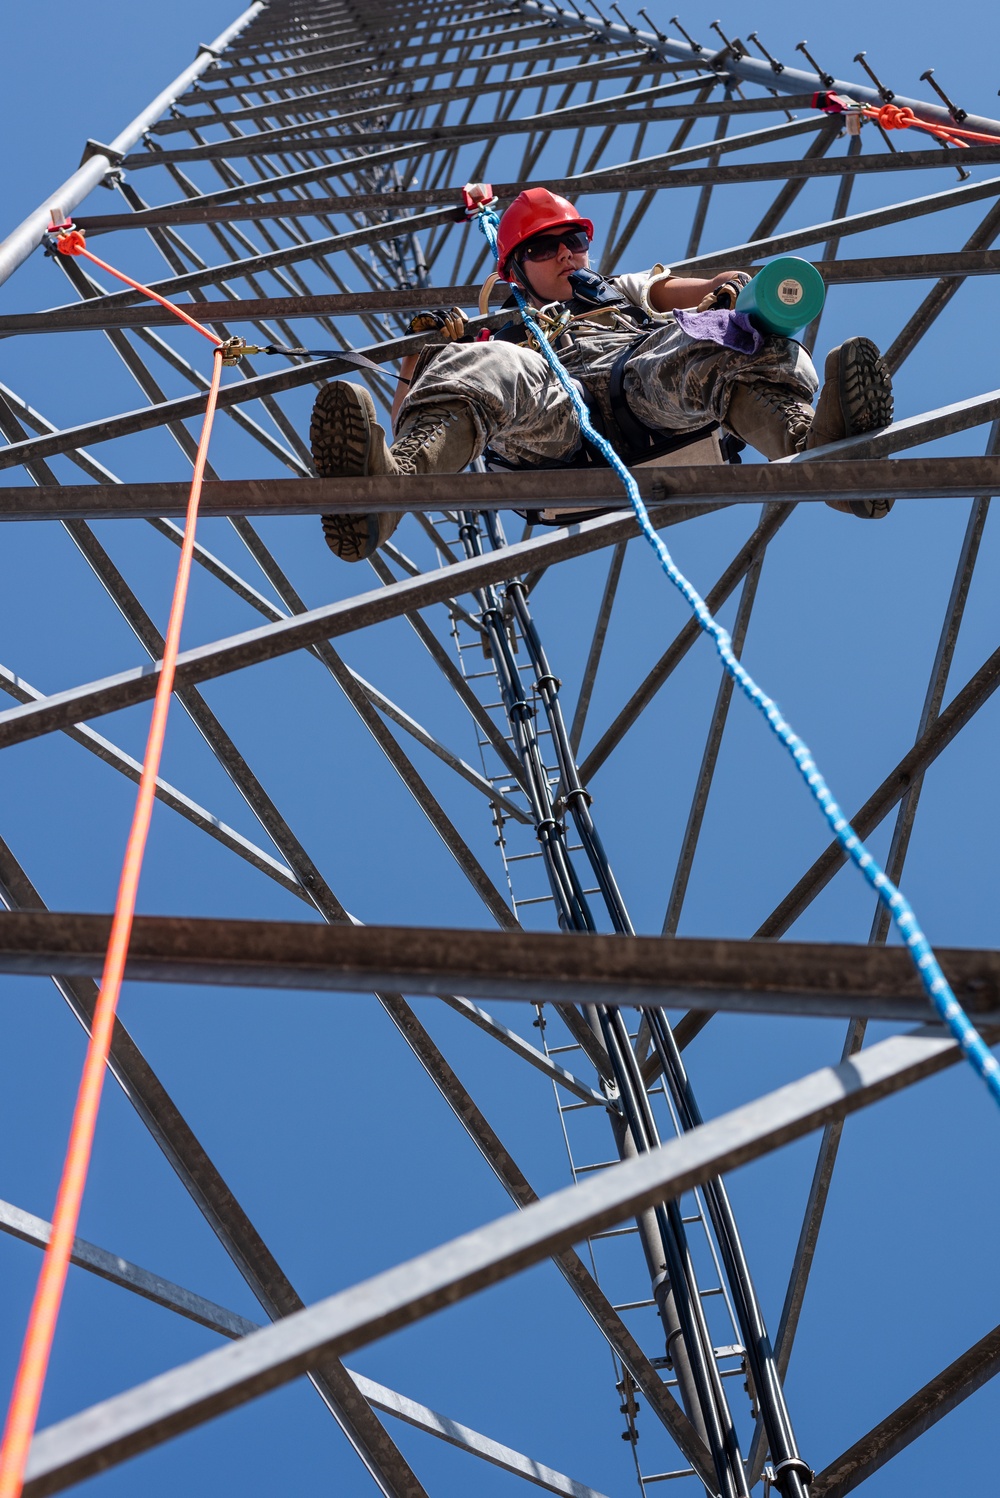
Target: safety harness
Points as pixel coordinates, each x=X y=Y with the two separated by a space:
x=635 y=443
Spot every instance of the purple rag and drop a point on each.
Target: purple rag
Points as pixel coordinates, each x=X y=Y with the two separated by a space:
x=732 y=329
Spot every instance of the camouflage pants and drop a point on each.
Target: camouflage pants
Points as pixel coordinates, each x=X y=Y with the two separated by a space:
x=673 y=383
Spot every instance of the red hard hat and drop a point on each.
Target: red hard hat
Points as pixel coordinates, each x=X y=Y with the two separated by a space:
x=533 y=212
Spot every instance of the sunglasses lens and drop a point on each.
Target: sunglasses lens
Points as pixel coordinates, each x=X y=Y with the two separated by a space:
x=546 y=246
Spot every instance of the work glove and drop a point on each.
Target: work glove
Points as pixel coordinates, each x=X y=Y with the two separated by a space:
x=451 y=324
x=724 y=296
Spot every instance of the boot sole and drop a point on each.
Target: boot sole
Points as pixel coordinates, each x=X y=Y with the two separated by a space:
x=340 y=435
x=866 y=400
x=865 y=387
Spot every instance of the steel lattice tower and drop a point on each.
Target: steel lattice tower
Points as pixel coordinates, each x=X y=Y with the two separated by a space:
x=302 y=178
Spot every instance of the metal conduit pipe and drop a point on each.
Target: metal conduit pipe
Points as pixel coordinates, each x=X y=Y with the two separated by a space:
x=751 y=69
x=675 y=1288
x=707 y=1386
x=792 y=1473
x=97 y=163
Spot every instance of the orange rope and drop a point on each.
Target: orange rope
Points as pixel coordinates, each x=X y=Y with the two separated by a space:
x=897 y=117
x=72 y=242
x=35 y=1353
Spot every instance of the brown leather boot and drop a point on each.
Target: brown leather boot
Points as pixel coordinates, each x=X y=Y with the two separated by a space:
x=347 y=442
x=774 y=421
x=856 y=398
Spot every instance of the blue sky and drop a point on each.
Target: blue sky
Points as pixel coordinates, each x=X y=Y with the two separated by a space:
x=332 y=1139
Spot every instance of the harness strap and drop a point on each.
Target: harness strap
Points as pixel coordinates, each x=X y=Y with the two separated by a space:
x=637 y=442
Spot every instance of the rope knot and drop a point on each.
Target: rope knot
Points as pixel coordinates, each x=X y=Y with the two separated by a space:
x=895 y=117
x=71 y=242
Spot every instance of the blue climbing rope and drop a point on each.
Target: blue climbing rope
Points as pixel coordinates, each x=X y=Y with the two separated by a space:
x=935 y=984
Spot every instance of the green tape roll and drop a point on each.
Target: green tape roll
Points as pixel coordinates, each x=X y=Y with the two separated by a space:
x=784 y=296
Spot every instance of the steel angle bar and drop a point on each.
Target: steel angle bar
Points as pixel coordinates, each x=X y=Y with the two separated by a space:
x=748 y=68
x=855 y=223
x=359 y=699
x=611 y=110
x=571 y=1266
x=895 y=859
x=402 y=90
x=912 y=1419
x=128 y=1276
x=192 y=406
x=812 y=157
x=558 y=77
x=220 y=1208
x=270 y=260
x=15 y=686
x=910 y=267
x=912 y=431
x=273 y=640
x=800 y=978
x=960 y=711
x=19 y=244
x=520 y=1047
x=694 y=488
x=936 y=300
x=681 y=644
x=186 y=1397
x=661 y=165
x=958 y=264
x=596 y=646
x=152 y=1287
x=248 y=309
x=710 y=755
x=422 y=1418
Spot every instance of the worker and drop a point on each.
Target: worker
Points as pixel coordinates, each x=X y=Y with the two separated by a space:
x=659 y=358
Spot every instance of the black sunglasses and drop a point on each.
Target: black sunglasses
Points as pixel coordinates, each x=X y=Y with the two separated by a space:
x=546 y=246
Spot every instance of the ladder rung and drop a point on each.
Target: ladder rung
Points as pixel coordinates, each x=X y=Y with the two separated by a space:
x=634 y=1305
x=560 y=1050
x=601 y=1165
x=613 y=1233
x=666 y=1476
x=535 y=900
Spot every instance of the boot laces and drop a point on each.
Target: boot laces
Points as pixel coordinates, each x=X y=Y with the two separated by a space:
x=796 y=414
x=421 y=431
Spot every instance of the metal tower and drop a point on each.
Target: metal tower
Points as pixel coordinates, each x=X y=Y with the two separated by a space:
x=300 y=185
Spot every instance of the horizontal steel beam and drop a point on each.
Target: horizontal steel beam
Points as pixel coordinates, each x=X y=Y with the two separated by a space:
x=838 y=228
x=566 y=489
x=929 y=1405
x=397 y=103
x=268 y=642
x=186 y=1397
x=87 y=317
x=256 y=646
x=806 y=979
x=397 y=94
x=147 y=314
x=333 y=130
